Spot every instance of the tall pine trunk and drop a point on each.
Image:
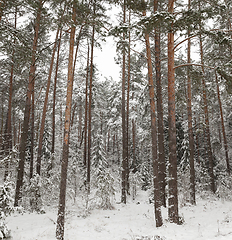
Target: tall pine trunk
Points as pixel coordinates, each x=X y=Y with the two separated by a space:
x=172 y=178
x=157 y=204
x=127 y=110
x=90 y=109
x=65 y=153
x=86 y=111
x=32 y=131
x=190 y=124
x=24 y=134
x=161 y=154
x=124 y=139
x=54 y=102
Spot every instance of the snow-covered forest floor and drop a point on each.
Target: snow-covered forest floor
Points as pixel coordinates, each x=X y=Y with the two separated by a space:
x=210 y=219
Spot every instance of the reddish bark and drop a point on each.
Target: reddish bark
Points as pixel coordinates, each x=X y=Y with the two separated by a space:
x=24 y=134
x=39 y=156
x=157 y=204
x=65 y=153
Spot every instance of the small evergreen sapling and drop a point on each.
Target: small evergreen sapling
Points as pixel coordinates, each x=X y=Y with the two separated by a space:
x=102 y=175
x=6 y=207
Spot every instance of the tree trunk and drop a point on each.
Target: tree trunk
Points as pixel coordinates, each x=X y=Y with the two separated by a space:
x=190 y=125
x=157 y=205
x=64 y=163
x=134 y=161
x=7 y=144
x=86 y=111
x=127 y=111
x=161 y=154
x=124 y=139
x=197 y=140
x=24 y=134
x=206 y=114
x=39 y=156
x=54 y=102
x=172 y=181
x=80 y=121
x=89 y=108
x=223 y=126
x=32 y=130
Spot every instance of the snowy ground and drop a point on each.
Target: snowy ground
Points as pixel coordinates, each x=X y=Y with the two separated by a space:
x=211 y=219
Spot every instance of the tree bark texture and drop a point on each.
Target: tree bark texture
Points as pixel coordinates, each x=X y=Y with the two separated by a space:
x=128 y=111
x=161 y=152
x=90 y=109
x=172 y=178
x=86 y=111
x=64 y=163
x=54 y=102
x=24 y=134
x=190 y=125
x=157 y=202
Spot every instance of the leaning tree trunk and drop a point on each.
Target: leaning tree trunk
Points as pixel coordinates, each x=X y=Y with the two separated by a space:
x=223 y=126
x=190 y=125
x=157 y=204
x=64 y=163
x=39 y=156
x=161 y=154
x=172 y=179
x=24 y=134
x=54 y=102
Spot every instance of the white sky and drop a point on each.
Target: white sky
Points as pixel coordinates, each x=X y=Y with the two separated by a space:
x=104 y=59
